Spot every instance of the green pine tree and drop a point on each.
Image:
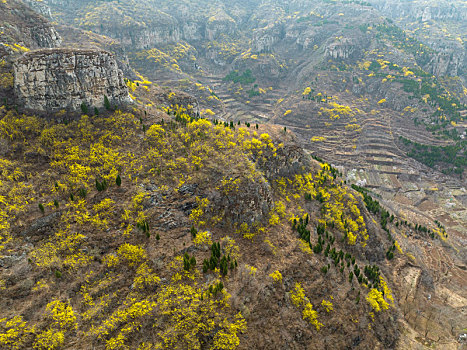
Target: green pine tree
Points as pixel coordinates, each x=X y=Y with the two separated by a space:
x=106 y=103
x=84 y=108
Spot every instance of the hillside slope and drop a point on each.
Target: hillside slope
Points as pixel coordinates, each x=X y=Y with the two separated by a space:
x=94 y=262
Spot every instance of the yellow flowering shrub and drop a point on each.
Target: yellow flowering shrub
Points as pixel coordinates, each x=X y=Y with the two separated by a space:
x=197 y=213
x=251 y=269
x=376 y=300
x=202 y=238
x=311 y=316
x=111 y=260
x=50 y=339
x=133 y=254
x=62 y=314
x=227 y=337
x=274 y=219
x=304 y=246
x=276 y=276
x=327 y=305
x=386 y=290
x=277 y=213
x=14 y=332
x=297 y=295
x=145 y=277
x=230 y=247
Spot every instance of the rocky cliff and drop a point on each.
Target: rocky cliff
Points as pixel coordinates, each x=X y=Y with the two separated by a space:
x=40 y=7
x=21 y=29
x=136 y=27
x=423 y=11
x=341 y=49
x=22 y=26
x=439 y=24
x=55 y=79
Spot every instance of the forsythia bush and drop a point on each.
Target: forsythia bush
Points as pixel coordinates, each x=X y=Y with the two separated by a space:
x=327 y=305
x=14 y=332
x=376 y=300
x=131 y=253
x=297 y=295
x=312 y=316
x=203 y=238
x=50 y=339
x=276 y=276
x=62 y=314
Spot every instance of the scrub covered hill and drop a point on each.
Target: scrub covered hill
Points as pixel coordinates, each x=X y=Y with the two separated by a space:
x=131 y=231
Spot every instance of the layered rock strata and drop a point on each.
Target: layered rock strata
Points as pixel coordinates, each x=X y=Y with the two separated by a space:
x=54 y=79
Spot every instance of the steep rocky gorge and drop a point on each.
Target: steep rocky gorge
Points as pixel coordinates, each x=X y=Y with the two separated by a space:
x=207 y=29
x=411 y=10
x=443 y=28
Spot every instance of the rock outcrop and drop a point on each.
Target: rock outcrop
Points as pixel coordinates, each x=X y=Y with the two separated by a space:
x=54 y=79
x=250 y=205
x=341 y=49
x=439 y=10
x=21 y=30
x=264 y=40
x=444 y=64
x=450 y=58
x=219 y=24
x=143 y=31
x=23 y=26
x=40 y=7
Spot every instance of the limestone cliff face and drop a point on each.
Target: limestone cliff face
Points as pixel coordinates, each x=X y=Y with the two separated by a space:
x=21 y=25
x=220 y=24
x=451 y=59
x=445 y=64
x=146 y=38
x=439 y=10
x=21 y=29
x=54 y=79
x=144 y=24
x=40 y=7
x=342 y=49
x=46 y=36
x=264 y=39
